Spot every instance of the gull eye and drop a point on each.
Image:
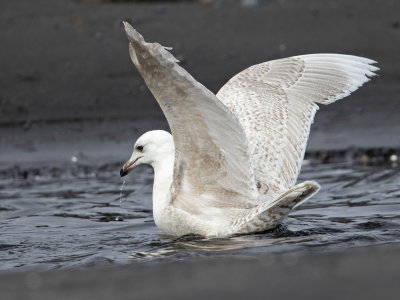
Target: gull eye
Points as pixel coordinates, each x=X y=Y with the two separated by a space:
x=139 y=148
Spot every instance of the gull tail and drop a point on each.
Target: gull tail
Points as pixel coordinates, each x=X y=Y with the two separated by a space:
x=269 y=214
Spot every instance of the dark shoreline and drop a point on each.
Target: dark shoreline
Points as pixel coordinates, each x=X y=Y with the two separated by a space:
x=358 y=273
x=67 y=84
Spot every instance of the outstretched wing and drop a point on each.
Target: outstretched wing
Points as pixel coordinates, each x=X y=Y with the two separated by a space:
x=276 y=101
x=212 y=160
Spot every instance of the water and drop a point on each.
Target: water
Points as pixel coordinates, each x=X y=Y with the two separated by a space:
x=121 y=191
x=73 y=216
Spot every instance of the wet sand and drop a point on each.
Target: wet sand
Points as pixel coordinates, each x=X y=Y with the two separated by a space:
x=364 y=273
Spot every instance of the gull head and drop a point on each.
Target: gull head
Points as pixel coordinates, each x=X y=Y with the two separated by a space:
x=151 y=148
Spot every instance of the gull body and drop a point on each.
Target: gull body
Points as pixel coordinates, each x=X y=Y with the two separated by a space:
x=232 y=161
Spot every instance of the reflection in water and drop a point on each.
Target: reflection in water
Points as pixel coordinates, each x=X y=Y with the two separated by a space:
x=216 y=245
x=74 y=216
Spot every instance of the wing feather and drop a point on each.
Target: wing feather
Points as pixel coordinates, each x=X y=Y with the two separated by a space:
x=276 y=102
x=212 y=160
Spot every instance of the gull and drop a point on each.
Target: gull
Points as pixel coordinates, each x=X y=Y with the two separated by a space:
x=231 y=164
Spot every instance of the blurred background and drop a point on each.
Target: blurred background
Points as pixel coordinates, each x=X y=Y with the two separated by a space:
x=66 y=77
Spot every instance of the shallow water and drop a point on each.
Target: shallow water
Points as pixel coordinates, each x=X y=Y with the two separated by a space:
x=77 y=216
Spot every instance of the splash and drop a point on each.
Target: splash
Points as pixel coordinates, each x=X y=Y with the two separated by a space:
x=121 y=196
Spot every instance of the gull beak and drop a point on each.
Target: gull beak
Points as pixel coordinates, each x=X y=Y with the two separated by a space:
x=128 y=167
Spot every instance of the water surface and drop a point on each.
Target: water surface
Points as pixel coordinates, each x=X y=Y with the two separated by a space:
x=74 y=216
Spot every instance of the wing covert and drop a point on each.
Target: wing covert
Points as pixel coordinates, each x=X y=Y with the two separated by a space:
x=211 y=150
x=276 y=101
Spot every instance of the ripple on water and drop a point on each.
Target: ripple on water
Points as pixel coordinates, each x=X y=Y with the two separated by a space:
x=50 y=219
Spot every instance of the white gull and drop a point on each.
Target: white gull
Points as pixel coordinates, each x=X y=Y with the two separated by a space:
x=231 y=163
